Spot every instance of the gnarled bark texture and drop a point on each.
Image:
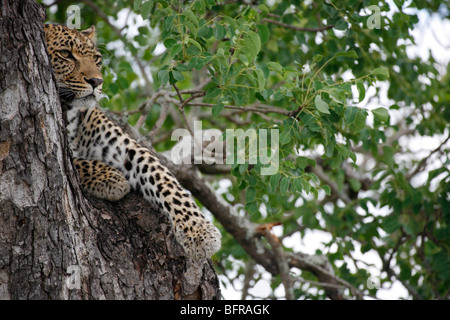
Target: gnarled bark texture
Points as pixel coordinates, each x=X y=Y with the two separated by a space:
x=54 y=242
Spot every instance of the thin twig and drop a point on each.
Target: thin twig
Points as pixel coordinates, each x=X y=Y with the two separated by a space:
x=144 y=109
x=283 y=265
x=324 y=275
x=162 y=117
x=334 y=187
x=422 y=162
x=248 y=276
x=178 y=92
x=288 y=26
x=183 y=104
x=259 y=108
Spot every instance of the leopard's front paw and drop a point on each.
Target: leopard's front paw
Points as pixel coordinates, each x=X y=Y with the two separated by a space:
x=101 y=180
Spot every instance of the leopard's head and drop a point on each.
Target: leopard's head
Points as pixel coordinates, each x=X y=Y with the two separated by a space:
x=76 y=62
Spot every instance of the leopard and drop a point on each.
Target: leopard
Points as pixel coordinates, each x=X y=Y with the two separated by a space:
x=109 y=162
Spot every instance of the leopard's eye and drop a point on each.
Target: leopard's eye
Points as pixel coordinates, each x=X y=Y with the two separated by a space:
x=98 y=59
x=65 y=53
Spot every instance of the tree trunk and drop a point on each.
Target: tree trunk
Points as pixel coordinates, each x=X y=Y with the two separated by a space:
x=54 y=242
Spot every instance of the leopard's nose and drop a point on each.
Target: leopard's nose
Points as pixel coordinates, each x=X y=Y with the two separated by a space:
x=94 y=82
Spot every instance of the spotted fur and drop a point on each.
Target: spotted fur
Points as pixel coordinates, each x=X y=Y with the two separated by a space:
x=108 y=160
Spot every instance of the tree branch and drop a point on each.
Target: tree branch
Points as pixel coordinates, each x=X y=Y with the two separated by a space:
x=244 y=231
x=320 y=266
x=334 y=187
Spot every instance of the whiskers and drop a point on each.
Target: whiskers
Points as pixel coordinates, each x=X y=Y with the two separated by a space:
x=104 y=96
x=66 y=94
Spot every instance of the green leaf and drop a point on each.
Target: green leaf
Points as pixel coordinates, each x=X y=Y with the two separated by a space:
x=137 y=4
x=181 y=67
x=411 y=226
x=191 y=26
x=175 y=49
x=146 y=9
x=168 y=22
x=250 y=45
x=195 y=43
x=390 y=224
x=321 y=105
x=264 y=8
x=350 y=114
x=298 y=184
x=213 y=92
x=252 y=208
x=274 y=180
x=361 y=90
x=256 y=41
x=350 y=54
x=381 y=114
x=289 y=164
x=341 y=25
x=383 y=72
x=244 y=59
x=388 y=155
x=261 y=79
x=314 y=126
x=177 y=75
x=312 y=162
x=314 y=177
x=169 y=43
x=219 y=31
x=355 y=184
x=217 y=109
x=243 y=183
x=329 y=150
x=194 y=51
x=317 y=58
x=306 y=186
x=360 y=122
x=250 y=195
x=284 y=184
x=252 y=181
x=230 y=21
x=431 y=248
x=352 y=155
x=191 y=16
x=243 y=168
x=263 y=32
x=302 y=162
x=123 y=82
x=205 y=32
x=163 y=76
x=285 y=137
x=327 y=189
x=275 y=66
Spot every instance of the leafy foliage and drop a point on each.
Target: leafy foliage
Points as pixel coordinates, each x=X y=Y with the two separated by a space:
x=314 y=72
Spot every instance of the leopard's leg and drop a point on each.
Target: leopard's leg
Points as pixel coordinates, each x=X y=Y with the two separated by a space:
x=102 y=139
x=100 y=180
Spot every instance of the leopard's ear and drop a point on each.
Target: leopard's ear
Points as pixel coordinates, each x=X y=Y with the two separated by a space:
x=90 y=33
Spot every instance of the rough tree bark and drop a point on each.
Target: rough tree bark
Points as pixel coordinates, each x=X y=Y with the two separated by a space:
x=54 y=242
